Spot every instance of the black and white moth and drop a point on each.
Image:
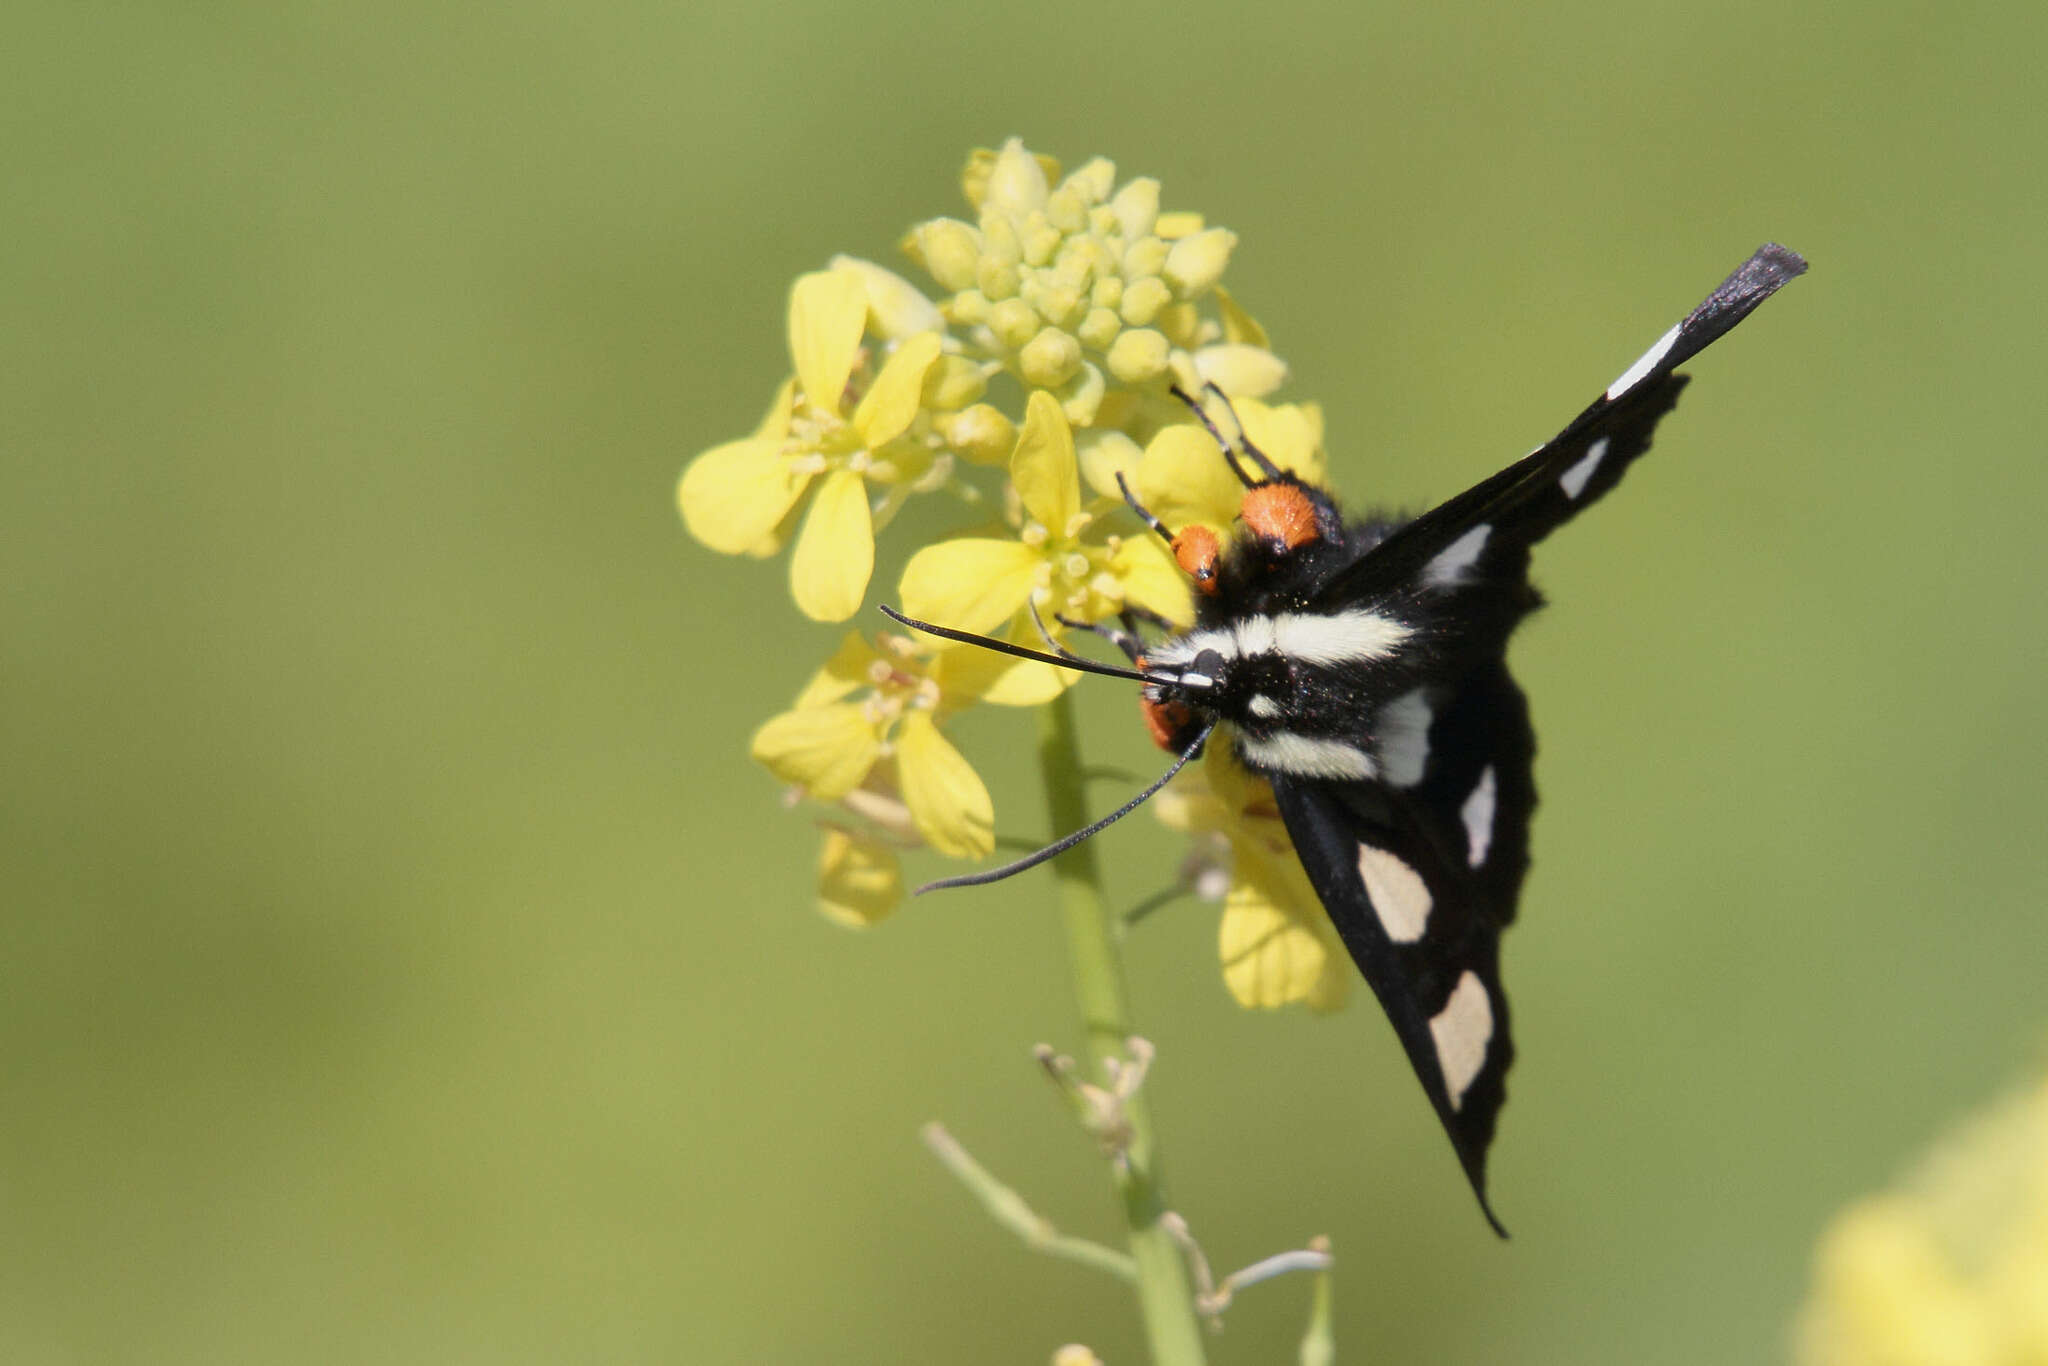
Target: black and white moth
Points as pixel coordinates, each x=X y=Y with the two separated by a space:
x=1360 y=667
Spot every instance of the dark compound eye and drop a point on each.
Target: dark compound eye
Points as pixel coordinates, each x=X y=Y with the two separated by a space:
x=1208 y=663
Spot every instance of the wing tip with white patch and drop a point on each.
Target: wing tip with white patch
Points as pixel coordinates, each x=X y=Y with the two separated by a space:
x=1463 y=1035
x=1645 y=363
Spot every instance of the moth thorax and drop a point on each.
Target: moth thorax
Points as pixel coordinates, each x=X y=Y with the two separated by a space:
x=1280 y=515
x=1195 y=549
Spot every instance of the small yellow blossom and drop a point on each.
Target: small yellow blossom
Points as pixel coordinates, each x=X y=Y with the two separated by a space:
x=860 y=880
x=1949 y=1268
x=1080 y=286
x=1276 y=942
x=865 y=734
x=832 y=433
x=1069 y=559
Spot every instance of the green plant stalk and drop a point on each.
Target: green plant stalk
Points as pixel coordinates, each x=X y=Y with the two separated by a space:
x=1094 y=943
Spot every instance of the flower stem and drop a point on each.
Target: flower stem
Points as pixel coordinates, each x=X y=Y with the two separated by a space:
x=1094 y=945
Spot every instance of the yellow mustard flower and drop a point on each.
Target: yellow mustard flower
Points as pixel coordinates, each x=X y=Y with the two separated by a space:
x=1081 y=561
x=832 y=432
x=1950 y=1267
x=864 y=733
x=860 y=878
x=1080 y=287
x=1276 y=943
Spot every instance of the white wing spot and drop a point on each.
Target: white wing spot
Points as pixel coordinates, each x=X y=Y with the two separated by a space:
x=1306 y=756
x=1477 y=813
x=1257 y=635
x=1573 y=480
x=1356 y=636
x=1451 y=564
x=1634 y=375
x=1401 y=735
x=1400 y=898
x=1340 y=638
x=1462 y=1030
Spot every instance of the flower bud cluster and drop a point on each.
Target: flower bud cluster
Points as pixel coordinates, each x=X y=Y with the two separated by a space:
x=1074 y=287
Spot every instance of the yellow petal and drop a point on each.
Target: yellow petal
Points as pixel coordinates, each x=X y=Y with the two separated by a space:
x=845 y=672
x=973 y=583
x=769 y=546
x=1239 y=370
x=968 y=675
x=945 y=795
x=1152 y=580
x=1184 y=478
x=859 y=881
x=892 y=401
x=1104 y=454
x=1026 y=683
x=827 y=311
x=1238 y=325
x=835 y=554
x=827 y=750
x=1291 y=433
x=896 y=307
x=1270 y=956
x=733 y=495
x=1043 y=467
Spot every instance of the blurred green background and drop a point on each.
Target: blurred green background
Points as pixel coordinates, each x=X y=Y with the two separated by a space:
x=404 y=961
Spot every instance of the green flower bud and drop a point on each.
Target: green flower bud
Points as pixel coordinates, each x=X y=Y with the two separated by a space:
x=954 y=382
x=1039 y=239
x=999 y=240
x=1137 y=207
x=1014 y=322
x=967 y=308
x=1197 y=262
x=1077 y=263
x=1099 y=329
x=1062 y=305
x=1139 y=356
x=1016 y=183
x=1107 y=291
x=1081 y=398
x=1145 y=257
x=1143 y=299
x=982 y=434
x=997 y=279
x=1095 y=180
x=948 y=249
x=1049 y=359
x=1067 y=210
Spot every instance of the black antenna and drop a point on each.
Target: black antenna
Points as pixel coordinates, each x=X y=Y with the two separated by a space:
x=1229 y=448
x=1061 y=845
x=1071 y=661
